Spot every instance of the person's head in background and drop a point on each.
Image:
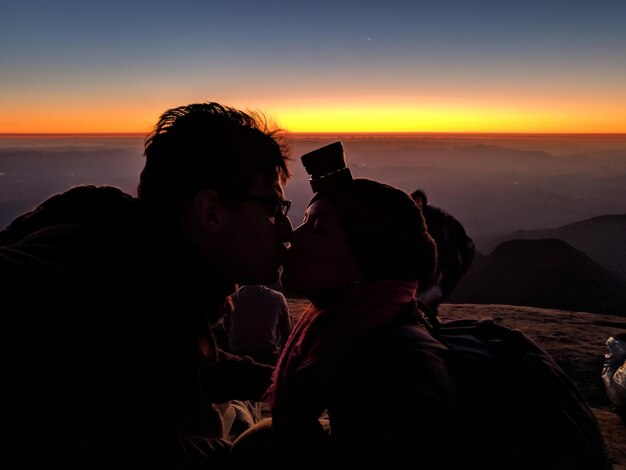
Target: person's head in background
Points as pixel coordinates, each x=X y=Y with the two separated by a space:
x=214 y=175
x=419 y=197
x=361 y=231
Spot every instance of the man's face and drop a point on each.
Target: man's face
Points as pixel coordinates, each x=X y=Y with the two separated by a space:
x=254 y=234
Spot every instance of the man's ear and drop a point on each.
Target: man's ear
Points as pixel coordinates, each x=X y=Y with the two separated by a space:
x=208 y=209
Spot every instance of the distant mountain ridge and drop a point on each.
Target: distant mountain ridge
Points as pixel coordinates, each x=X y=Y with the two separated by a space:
x=545 y=273
x=603 y=238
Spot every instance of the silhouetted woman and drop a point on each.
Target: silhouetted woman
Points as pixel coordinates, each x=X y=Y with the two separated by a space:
x=359 y=382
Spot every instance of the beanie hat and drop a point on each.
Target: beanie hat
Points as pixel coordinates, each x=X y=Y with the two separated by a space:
x=384 y=228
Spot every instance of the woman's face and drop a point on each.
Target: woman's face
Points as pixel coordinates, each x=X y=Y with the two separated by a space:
x=319 y=259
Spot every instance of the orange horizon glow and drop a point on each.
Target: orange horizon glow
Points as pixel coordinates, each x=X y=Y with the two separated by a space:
x=548 y=118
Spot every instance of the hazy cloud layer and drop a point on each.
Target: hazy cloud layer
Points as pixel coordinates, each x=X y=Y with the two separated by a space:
x=493 y=185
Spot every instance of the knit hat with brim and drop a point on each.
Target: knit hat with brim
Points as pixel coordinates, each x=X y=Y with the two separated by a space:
x=384 y=229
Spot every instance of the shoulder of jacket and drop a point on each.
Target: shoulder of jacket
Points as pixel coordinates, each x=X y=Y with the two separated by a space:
x=82 y=205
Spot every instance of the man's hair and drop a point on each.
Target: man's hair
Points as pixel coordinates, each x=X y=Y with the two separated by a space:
x=419 y=194
x=208 y=145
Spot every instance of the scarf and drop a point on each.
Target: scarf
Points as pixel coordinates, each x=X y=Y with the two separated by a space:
x=319 y=336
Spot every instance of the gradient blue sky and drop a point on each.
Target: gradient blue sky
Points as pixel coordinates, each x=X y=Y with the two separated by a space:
x=515 y=66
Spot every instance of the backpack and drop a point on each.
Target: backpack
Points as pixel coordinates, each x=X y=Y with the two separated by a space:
x=518 y=408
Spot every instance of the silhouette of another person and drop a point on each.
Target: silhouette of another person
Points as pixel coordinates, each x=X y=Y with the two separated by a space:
x=455 y=251
x=258 y=326
x=259 y=323
x=107 y=354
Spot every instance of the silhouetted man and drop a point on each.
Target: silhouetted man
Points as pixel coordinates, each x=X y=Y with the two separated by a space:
x=107 y=355
x=455 y=251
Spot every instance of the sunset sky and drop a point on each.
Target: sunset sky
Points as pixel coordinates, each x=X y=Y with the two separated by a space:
x=554 y=66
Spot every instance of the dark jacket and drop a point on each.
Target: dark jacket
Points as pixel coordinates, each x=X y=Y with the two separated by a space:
x=395 y=405
x=107 y=353
x=389 y=399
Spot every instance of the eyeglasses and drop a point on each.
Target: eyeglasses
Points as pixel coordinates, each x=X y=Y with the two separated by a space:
x=278 y=205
